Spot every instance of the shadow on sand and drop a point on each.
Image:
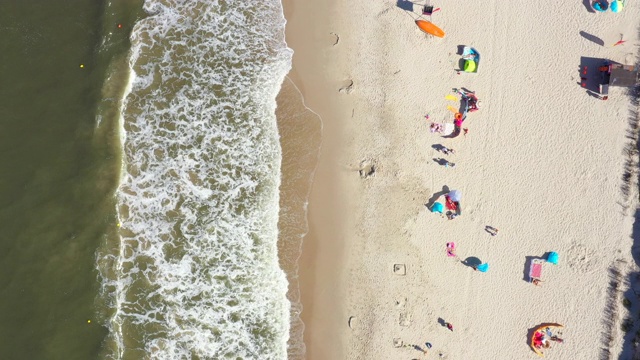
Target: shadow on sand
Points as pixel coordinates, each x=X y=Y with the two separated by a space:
x=405 y=5
x=592 y=38
x=587 y=5
x=435 y=196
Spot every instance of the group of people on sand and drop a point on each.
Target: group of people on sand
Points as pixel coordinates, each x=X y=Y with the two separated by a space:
x=542 y=339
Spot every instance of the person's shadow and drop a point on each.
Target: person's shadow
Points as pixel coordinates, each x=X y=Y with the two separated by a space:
x=441 y=161
x=592 y=38
x=405 y=5
x=442 y=322
x=435 y=196
x=438 y=147
x=587 y=4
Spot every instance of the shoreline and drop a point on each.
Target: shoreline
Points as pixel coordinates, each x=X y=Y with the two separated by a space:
x=316 y=275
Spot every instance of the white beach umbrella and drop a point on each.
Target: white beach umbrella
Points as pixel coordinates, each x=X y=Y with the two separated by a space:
x=455 y=195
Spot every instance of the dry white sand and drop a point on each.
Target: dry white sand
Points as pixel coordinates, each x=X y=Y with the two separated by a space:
x=543 y=162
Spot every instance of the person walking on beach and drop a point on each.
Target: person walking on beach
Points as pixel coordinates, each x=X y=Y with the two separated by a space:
x=491 y=230
x=445 y=150
x=449 y=326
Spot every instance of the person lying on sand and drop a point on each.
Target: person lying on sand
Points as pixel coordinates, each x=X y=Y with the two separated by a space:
x=435 y=127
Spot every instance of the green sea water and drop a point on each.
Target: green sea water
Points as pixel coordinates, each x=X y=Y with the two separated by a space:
x=60 y=160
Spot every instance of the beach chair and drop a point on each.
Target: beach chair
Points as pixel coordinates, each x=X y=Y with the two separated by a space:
x=535 y=271
x=428 y=9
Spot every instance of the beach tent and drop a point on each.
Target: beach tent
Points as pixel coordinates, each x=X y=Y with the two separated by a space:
x=484 y=267
x=600 y=5
x=553 y=258
x=617 y=6
x=455 y=195
x=437 y=208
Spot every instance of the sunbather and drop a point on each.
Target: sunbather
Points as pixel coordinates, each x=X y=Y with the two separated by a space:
x=451 y=249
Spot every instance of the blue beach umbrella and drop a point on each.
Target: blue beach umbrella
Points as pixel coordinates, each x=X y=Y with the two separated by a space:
x=437 y=208
x=553 y=258
x=484 y=267
x=600 y=5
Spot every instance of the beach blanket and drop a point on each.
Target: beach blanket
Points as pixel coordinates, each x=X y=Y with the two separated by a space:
x=450 y=204
x=535 y=272
x=451 y=249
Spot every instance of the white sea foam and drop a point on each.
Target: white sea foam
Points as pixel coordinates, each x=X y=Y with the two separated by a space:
x=197 y=270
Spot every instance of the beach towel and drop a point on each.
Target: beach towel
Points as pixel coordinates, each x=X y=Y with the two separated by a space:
x=451 y=249
x=536 y=269
x=450 y=204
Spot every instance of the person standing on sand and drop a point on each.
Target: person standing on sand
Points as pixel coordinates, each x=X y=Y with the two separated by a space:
x=449 y=326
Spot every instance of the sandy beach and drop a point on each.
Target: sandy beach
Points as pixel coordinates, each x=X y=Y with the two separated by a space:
x=543 y=161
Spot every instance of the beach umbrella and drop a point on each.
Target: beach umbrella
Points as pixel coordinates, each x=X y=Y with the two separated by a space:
x=617 y=6
x=553 y=258
x=620 y=42
x=455 y=195
x=600 y=5
x=472 y=261
x=437 y=208
x=484 y=267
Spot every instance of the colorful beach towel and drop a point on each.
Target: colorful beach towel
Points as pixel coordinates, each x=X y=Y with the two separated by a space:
x=451 y=249
x=536 y=269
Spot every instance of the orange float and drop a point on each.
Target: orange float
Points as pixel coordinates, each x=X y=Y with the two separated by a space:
x=430 y=28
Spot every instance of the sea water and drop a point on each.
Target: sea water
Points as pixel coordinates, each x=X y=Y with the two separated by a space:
x=59 y=154
x=193 y=270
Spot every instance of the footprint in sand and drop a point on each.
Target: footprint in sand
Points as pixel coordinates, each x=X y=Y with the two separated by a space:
x=352 y=322
x=346 y=87
x=405 y=319
x=580 y=258
x=336 y=39
x=367 y=169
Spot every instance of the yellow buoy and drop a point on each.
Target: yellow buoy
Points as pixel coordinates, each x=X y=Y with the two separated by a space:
x=81 y=65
